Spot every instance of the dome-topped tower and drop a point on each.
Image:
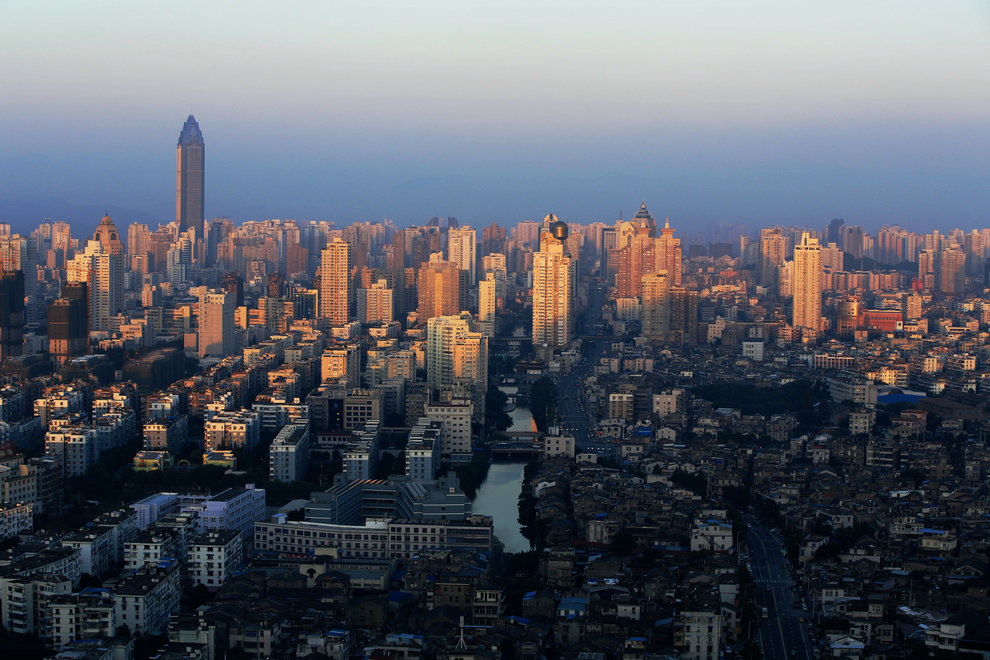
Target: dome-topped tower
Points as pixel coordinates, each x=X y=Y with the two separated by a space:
x=645 y=220
x=560 y=230
x=108 y=236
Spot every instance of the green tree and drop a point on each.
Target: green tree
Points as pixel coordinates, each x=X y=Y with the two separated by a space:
x=543 y=403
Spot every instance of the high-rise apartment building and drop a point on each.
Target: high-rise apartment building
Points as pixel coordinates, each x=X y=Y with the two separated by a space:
x=806 y=284
x=655 y=309
x=487 y=303
x=494 y=265
x=952 y=270
x=190 y=159
x=462 y=250
x=683 y=315
x=441 y=288
x=101 y=267
x=635 y=259
x=441 y=332
x=773 y=245
x=335 y=282
x=216 y=324
x=375 y=303
x=554 y=278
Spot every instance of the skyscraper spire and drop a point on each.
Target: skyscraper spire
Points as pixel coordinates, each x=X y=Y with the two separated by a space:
x=189 y=179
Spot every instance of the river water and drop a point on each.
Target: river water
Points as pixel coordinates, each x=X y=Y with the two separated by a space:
x=498 y=496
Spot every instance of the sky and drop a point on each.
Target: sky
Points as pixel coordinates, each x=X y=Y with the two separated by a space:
x=760 y=112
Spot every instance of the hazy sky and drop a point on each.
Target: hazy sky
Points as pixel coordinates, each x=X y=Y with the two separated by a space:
x=790 y=111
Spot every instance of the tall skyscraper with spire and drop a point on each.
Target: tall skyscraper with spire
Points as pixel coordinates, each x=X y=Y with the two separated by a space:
x=668 y=254
x=190 y=166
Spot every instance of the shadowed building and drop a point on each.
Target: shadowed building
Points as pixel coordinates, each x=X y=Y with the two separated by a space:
x=11 y=313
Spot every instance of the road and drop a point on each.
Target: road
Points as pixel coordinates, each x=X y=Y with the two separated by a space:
x=782 y=636
x=573 y=419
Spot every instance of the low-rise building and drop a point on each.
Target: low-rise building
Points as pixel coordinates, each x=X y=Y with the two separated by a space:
x=214 y=557
x=289 y=453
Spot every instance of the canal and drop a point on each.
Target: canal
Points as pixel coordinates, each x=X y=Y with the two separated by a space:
x=498 y=496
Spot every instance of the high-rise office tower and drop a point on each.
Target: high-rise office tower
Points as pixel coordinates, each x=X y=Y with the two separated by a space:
x=441 y=289
x=462 y=250
x=668 y=255
x=190 y=168
x=11 y=313
x=655 y=310
x=554 y=280
x=216 y=324
x=806 y=283
x=335 y=282
x=68 y=333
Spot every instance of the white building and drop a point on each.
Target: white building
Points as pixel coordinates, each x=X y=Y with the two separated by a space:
x=455 y=418
x=90 y=614
x=423 y=450
x=698 y=635
x=712 y=536
x=153 y=507
x=462 y=250
x=151 y=546
x=361 y=454
x=214 y=557
x=144 y=601
x=24 y=600
x=103 y=272
x=234 y=508
x=289 y=454
x=558 y=446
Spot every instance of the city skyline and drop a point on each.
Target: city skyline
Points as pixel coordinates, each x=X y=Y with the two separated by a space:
x=765 y=115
